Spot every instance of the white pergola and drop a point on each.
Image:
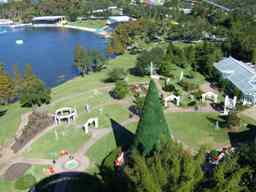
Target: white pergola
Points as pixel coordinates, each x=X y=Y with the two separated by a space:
x=65 y=114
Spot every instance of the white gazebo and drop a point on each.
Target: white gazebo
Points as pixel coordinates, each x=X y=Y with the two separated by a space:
x=65 y=114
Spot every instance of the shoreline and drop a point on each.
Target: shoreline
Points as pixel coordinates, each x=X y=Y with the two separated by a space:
x=67 y=26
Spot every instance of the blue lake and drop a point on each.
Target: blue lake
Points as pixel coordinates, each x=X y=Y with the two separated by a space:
x=50 y=51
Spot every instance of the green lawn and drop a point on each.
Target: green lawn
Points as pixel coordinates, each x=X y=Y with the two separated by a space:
x=68 y=93
x=7 y=186
x=89 y=23
x=104 y=146
x=195 y=129
x=10 y=122
x=38 y=171
x=35 y=170
x=48 y=147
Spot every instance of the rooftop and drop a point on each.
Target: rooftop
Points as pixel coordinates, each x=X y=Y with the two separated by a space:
x=242 y=75
x=48 y=18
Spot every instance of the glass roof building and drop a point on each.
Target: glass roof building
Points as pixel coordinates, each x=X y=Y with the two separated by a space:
x=240 y=74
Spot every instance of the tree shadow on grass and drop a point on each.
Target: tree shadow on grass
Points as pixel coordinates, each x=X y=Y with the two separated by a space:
x=244 y=137
x=123 y=137
x=3 y=112
x=213 y=120
x=69 y=182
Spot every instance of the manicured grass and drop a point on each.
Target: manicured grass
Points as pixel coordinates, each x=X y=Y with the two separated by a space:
x=10 y=121
x=104 y=146
x=89 y=23
x=7 y=186
x=113 y=111
x=38 y=171
x=68 y=94
x=48 y=147
x=192 y=129
x=196 y=129
x=94 y=80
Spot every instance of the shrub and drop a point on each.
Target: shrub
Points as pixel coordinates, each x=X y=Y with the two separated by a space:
x=139 y=103
x=117 y=74
x=121 y=89
x=167 y=69
x=155 y=55
x=188 y=85
x=198 y=94
x=25 y=182
x=169 y=88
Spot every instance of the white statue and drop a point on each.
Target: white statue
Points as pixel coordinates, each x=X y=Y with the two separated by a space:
x=181 y=75
x=229 y=104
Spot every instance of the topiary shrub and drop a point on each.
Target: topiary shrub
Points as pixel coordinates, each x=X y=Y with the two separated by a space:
x=169 y=88
x=121 y=89
x=117 y=74
x=25 y=182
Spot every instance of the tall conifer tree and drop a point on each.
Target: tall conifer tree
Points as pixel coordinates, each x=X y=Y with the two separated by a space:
x=152 y=125
x=6 y=86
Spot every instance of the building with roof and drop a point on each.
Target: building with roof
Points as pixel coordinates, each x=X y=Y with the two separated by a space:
x=118 y=19
x=49 y=20
x=241 y=75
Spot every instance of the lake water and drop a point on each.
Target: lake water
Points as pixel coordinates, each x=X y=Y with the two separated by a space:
x=49 y=50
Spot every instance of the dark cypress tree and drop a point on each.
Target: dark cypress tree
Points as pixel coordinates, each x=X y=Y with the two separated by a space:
x=152 y=125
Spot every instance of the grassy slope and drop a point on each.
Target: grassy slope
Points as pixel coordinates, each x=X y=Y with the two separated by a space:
x=103 y=147
x=10 y=121
x=89 y=23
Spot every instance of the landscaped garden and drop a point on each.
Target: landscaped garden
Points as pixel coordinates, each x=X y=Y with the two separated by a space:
x=69 y=138
x=96 y=24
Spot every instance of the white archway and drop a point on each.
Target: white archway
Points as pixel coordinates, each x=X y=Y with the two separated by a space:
x=211 y=96
x=91 y=121
x=172 y=98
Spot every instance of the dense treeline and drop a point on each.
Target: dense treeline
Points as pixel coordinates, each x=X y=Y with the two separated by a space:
x=24 y=10
x=27 y=88
x=234 y=32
